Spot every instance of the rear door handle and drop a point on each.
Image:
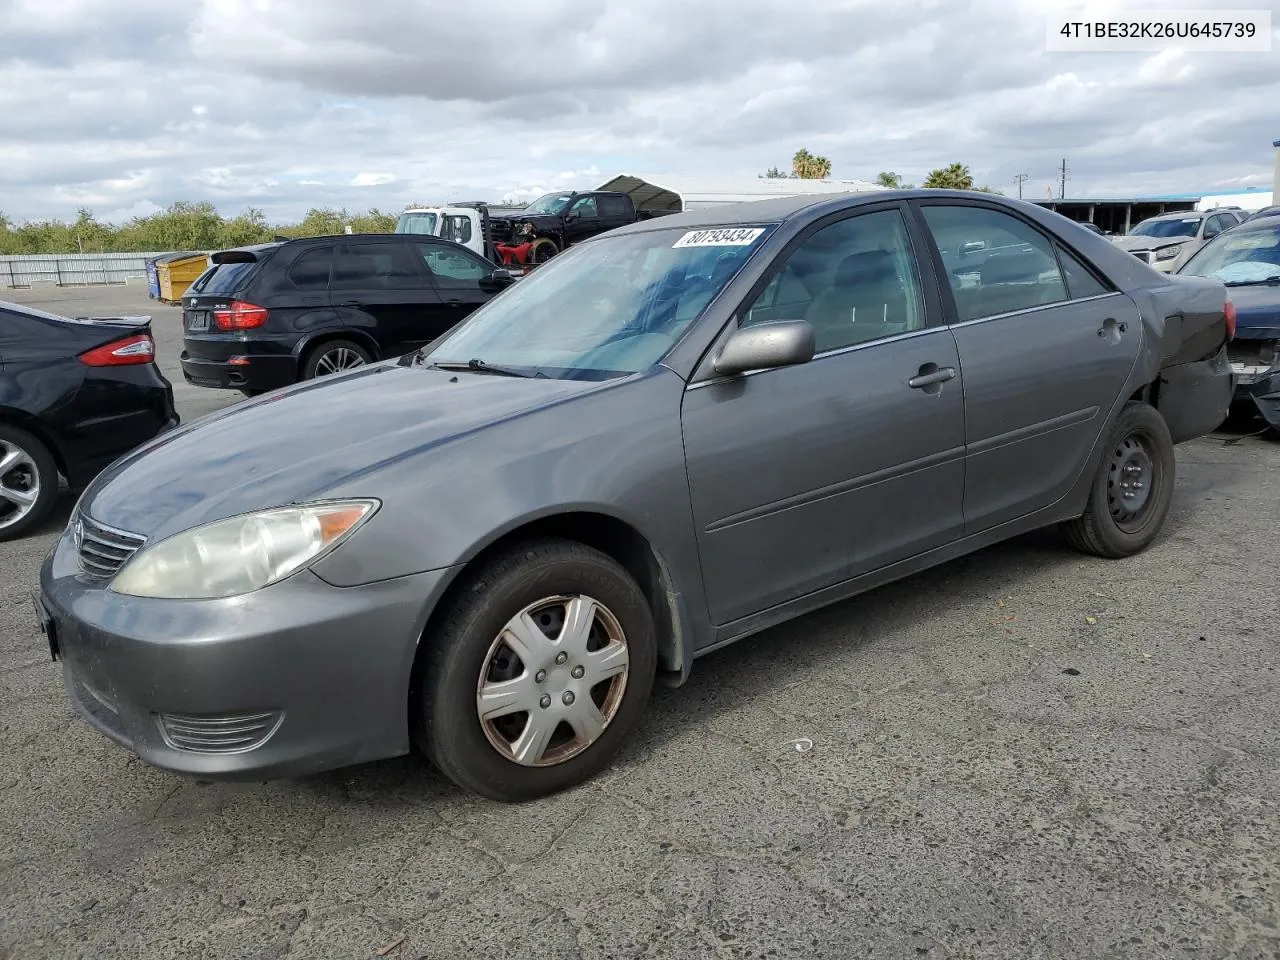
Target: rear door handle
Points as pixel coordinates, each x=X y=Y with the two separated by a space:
x=1112 y=330
x=930 y=375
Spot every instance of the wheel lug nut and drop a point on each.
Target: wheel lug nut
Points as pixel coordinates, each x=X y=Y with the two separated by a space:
x=561 y=657
x=545 y=701
x=577 y=673
x=540 y=676
x=568 y=698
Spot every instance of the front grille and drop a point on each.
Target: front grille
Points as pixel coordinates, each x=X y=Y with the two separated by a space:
x=102 y=550
x=230 y=733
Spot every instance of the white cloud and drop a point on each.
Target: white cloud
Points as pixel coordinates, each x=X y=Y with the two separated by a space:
x=290 y=104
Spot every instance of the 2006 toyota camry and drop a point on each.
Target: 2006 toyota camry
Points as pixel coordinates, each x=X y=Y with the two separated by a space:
x=666 y=439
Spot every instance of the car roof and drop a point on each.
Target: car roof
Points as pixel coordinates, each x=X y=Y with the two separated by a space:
x=254 y=250
x=1269 y=222
x=1183 y=215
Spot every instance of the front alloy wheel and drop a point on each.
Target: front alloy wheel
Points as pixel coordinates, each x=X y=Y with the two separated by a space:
x=532 y=675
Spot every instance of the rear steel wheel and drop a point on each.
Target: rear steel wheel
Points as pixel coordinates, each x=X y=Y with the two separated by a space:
x=1132 y=488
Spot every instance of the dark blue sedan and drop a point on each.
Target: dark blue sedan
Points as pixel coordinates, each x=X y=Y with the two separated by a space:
x=1247 y=259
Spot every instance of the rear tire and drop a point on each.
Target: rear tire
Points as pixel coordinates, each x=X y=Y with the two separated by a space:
x=334 y=356
x=252 y=391
x=585 y=689
x=28 y=482
x=1132 y=489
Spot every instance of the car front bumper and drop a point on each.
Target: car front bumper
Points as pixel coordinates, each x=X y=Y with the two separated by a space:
x=1261 y=390
x=293 y=679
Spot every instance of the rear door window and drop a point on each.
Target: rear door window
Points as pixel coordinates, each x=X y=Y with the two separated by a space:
x=995 y=262
x=613 y=207
x=377 y=266
x=311 y=270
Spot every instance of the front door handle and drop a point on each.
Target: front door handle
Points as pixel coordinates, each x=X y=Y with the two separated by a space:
x=351 y=303
x=931 y=375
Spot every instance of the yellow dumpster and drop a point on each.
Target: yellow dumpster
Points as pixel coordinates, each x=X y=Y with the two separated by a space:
x=178 y=271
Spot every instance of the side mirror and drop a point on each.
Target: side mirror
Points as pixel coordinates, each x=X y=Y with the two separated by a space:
x=763 y=346
x=497 y=279
x=973 y=246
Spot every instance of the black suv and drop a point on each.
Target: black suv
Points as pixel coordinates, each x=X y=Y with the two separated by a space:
x=270 y=315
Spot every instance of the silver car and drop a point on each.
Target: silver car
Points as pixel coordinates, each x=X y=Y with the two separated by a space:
x=667 y=439
x=1168 y=241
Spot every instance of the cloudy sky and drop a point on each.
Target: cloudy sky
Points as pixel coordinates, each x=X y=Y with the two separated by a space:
x=126 y=105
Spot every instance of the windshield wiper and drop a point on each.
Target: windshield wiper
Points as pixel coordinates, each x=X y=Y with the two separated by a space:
x=480 y=366
x=1272 y=280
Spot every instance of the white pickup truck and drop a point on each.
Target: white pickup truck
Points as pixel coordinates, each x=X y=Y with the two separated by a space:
x=462 y=224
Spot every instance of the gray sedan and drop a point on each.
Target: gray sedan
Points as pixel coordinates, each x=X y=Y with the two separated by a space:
x=667 y=439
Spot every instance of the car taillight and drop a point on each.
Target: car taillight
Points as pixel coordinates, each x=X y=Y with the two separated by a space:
x=1229 y=312
x=239 y=315
x=139 y=348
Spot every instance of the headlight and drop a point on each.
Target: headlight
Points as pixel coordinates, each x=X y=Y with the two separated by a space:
x=1168 y=253
x=240 y=554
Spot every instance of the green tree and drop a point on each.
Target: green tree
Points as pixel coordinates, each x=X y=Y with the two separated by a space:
x=182 y=226
x=809 y=166
x=892 y=181
x=954 y=176
x=773 y=173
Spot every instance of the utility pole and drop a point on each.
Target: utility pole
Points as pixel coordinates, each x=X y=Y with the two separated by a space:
x=1063 y=192
x=1020 y=179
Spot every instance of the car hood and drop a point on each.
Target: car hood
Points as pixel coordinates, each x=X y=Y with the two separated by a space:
x=297 y=444
x=1257 y=311
x=521 y=217
x=1148 y=243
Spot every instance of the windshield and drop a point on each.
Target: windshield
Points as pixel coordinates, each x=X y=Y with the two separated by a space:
x=1249 y=257
x=608 y=308
x=553 y=203
x=424 y=223
x=1185 y=227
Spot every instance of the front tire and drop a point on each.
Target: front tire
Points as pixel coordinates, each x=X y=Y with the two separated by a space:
x=1132 y=489
x=536 y=673
x=28 y=482
x=543 y=249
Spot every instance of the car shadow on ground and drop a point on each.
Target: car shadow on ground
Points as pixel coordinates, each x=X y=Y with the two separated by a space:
x=758 y=666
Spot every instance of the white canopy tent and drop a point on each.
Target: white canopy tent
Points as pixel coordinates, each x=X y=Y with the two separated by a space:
x=669 y=194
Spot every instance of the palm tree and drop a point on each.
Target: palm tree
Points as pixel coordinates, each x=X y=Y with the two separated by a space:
x=954 y=176
x=892 y=181
x=808 y=166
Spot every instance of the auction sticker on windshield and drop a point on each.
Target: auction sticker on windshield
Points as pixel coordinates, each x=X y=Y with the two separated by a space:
x=728 y=237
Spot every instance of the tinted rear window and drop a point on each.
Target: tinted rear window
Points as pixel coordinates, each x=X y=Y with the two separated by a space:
x=223 y=279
